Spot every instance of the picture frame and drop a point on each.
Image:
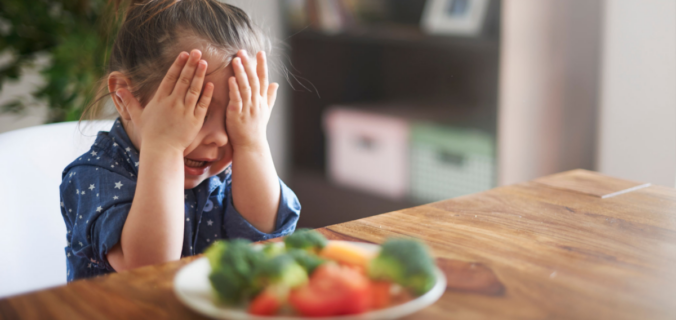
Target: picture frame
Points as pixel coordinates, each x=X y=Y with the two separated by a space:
x=454 y=17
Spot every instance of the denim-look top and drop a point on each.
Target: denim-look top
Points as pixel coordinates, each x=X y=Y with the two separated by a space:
x=96 y=195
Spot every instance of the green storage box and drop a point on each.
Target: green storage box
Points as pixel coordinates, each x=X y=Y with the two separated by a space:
x=447 y=162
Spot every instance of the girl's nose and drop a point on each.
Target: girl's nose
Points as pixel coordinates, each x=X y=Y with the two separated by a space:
x=216 y=134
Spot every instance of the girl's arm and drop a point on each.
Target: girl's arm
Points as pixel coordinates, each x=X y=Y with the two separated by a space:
x=153 y=231
x=255 y=185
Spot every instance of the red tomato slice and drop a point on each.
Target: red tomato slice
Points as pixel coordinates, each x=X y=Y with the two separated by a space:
x=333 y=290
x=266 y=303
x=380 y=294
x=309 y=303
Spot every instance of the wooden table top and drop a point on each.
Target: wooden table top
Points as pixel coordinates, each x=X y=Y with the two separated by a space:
x=575 y=245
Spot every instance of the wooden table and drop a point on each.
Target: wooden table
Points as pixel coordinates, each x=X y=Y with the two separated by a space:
x=575 y=245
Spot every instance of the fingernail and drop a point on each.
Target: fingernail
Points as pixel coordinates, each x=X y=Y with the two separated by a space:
x=184 y=55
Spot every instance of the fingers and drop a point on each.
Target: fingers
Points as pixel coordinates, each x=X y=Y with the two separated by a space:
x=262 y=69
x=235 y=104
x=242 y=83
x=272 y=94
x=169 y=82
x=196 y=87
x=130 y=103
x=205 y=101
x=252 y=77
x=187 y=74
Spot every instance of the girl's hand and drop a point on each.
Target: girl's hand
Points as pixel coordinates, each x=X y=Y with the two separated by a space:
x=176 y=112
x=251 y=101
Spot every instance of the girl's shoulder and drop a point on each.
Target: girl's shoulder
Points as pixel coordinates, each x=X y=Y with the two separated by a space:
x=111 y=153
x=98 y=179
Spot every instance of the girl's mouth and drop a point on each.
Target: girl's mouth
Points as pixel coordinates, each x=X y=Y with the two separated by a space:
x=195 y=167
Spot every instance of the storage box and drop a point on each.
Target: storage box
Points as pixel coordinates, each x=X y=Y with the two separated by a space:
x=368 y=151
x=448 y=162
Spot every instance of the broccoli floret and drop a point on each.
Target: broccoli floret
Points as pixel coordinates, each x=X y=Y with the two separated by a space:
x=232 y=264
x=230 y=288
x=406 y=262
x=273 y=249
x=215 y=253
x=306 y=239
x=279 y=270
x=307 y=260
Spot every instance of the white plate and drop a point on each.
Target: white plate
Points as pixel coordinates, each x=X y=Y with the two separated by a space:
x=192 y=287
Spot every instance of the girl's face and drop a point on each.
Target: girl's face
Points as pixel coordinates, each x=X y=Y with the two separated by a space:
x=210 y=153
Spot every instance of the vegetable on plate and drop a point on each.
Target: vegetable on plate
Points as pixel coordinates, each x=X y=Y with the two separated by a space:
x=306 y=239
x=406 y=262
x=310 y=276
x=232 y=265
x=333 y=290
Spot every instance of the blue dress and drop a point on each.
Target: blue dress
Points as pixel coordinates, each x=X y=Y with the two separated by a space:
x=97 y=191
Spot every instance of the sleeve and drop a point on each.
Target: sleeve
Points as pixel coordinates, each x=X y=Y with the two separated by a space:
x=97 y=202
x=288 y=213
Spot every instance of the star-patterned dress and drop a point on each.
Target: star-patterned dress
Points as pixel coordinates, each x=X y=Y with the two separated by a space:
x=97 y=191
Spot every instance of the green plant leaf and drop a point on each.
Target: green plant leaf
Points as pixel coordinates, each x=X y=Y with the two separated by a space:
x=74 y=33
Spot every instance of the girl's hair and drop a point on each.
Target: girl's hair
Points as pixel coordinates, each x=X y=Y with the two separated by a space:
x=154 y=32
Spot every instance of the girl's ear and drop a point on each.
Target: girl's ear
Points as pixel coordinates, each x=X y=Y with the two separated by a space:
x=117 y=81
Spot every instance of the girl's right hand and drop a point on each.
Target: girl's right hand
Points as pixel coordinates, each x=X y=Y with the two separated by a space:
x=176 y=112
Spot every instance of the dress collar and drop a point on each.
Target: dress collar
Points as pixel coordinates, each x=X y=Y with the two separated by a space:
x=120 y=139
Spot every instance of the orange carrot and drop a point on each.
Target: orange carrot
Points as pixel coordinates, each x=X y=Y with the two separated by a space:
x=347 y=253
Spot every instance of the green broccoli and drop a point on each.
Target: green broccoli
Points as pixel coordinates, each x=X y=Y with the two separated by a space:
x=306 y=239
x=273 y=249
x=406 y=262
x=279 y=270
x=230 y=288
x=215 y=253
x=232 y=264
x=307 y=260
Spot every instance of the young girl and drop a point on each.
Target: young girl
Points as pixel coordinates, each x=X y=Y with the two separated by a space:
x=187 y=162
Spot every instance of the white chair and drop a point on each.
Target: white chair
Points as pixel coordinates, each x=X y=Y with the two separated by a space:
x=32 y=231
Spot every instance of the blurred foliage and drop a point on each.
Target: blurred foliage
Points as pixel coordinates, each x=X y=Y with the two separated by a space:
x=75 y=34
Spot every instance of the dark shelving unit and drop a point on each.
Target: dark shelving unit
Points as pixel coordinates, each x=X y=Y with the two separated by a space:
x=385 y=64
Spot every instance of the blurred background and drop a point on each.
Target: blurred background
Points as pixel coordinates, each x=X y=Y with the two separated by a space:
x=389 y=104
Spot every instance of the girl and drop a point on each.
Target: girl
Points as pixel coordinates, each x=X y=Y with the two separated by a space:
x=187 y=161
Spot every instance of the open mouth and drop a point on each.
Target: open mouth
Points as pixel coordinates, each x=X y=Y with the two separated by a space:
x=194 y=163
x=196 y=167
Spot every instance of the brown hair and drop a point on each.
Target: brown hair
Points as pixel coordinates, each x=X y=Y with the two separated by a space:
x=151 y=32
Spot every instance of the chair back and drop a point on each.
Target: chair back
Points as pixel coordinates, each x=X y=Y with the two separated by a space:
x=32 y=230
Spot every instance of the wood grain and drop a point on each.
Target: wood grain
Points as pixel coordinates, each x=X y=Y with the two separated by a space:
x=591 y=183
x=558 y=253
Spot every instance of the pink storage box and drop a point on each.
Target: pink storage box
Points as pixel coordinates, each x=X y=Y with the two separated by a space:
x=368 y=151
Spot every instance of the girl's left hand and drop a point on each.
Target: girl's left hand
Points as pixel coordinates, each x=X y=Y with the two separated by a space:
x=251 y=101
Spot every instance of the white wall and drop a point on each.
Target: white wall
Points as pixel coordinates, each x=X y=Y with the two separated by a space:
x=268 y=15
x=637 y=127
x=548 y=87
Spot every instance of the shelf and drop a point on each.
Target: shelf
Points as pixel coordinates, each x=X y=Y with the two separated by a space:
x=449 y=112
x=396 y=35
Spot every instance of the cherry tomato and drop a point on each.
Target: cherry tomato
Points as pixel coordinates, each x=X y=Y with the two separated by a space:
x=380 y=294
x=333 y=290
x=266 y=303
